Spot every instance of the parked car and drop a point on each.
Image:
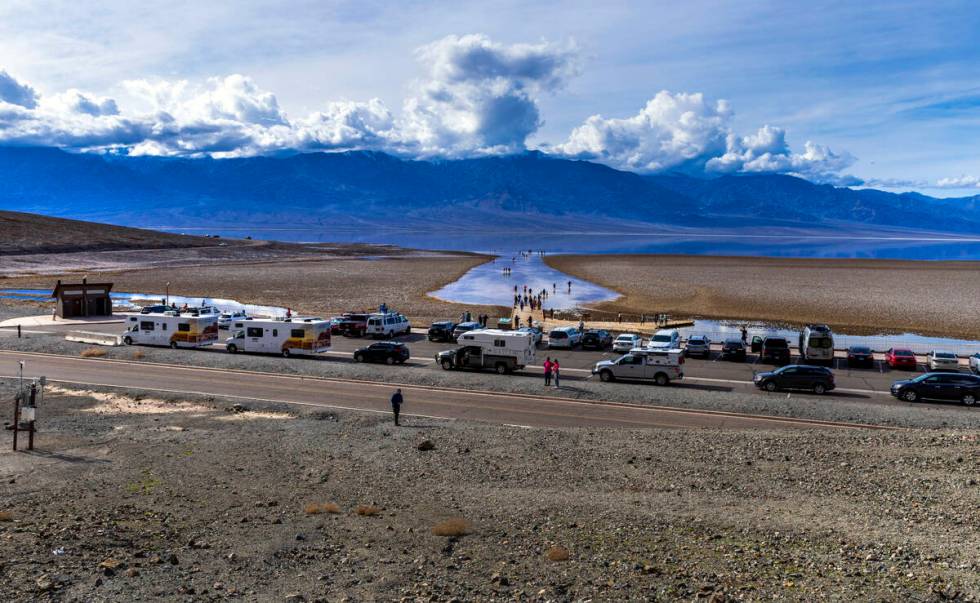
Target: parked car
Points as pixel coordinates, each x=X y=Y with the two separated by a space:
x=733 y=349
x=665 y=339
x=939 y=386
x=536 y=334
x=775 y=350
x=818 y=379
x=859 y=355
x=596 y=339
x=975 y=363
x=388 y=352
x=564 y=338
x=155 y=309
x=659 y=366
x=226 y=318
x=354 y=324
x=698 y=345
x=336 y=323
x=465 y=327
x=626 y=342
x=938 y=360
x=441 y=331
x=388 y=324
x=899 y=358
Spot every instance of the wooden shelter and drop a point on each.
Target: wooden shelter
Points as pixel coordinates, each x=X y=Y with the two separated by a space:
x=76 y=300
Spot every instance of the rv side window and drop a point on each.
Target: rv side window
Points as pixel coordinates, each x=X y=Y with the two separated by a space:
x=183 y=327
x=254 y=332
x=146 y=325
x=499 y=343
x=300 y=333
x=467 y=337
x=163 y=326
x=275 y=332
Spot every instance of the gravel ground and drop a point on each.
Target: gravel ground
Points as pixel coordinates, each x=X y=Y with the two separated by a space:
x=134 y=498
x=879 y=410
x=861 y=296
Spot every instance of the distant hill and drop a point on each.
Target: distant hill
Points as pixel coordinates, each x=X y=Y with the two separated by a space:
x=22 y=233
x=362 y=190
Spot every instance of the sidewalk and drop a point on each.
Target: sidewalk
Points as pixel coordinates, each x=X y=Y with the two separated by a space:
x=45 y=321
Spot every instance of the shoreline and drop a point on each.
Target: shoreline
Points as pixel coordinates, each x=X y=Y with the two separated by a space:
x=860 y=296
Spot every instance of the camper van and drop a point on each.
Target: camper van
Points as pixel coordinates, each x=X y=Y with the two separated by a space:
x=387 y=325
x=817 y=344
x=172 y=328
x=503 y=351
x=288 y=336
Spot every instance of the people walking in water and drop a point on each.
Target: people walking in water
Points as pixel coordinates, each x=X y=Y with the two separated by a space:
x=547 y=371
x=569 y=286
x=396 y=404
x=555 y=367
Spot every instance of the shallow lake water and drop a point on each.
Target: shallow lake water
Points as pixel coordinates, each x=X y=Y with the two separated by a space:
x=137 y=300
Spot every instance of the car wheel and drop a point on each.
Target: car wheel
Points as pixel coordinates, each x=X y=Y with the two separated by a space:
x=389 y=360
x=285 y=352
x=910 y=395
x=501 y=368
x=770 y=386
x=819 y=389
x=232 y=348
x=358 y=357
x=969 y=399
x=446 y=365
x=128 y=340
x=661 y=379
x=173 y=345
x=606 y=376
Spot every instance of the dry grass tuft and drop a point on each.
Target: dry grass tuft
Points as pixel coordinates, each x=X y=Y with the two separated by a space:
x=452 y=527
x=6 y=516
x=367 y=510
x=558 y=553
x=93 y=353
x=317 y=508
x=138 y=355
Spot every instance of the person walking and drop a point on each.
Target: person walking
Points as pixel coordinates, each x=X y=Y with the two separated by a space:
x=547 y=371
x=745 y=335
x=555 y=368
x=396 y=404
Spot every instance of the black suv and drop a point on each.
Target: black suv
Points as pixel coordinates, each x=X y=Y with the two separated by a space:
x=939 y=386
x=596 y=339
x=819 y=379
x=463 y=327
x=775 y=350
x=388 y=352
x=733 y=349
x=442 y=331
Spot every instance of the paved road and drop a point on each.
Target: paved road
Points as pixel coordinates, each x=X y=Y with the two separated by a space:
x=421 y=402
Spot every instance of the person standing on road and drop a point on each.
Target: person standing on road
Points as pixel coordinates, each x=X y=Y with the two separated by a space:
x=745 y=335
x=555 y=367
x=547 y=371
x=396 y=404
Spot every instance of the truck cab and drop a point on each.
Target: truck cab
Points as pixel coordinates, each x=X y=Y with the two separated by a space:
x=643 y=364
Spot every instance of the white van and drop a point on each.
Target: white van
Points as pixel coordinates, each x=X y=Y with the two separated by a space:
x=665 y=339
x=564 y=338
x=817 y=344
x=290 y=336
x=384 y=326
x=173 y=329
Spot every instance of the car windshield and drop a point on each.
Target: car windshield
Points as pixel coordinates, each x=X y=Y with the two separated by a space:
x=905 y=353
x=945 y=355
x=625 y=338
x=559 y=335
x=661 y=338
x=860 y=350
x=733 y=342
x=776 y=343
x=821 y=342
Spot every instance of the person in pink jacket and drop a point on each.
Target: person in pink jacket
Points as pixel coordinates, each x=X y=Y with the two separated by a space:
x=547 y=371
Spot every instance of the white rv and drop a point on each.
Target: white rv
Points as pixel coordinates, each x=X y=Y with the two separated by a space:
x=387 y=325
x=171 y=328
x=504 y=351
x=286 y=336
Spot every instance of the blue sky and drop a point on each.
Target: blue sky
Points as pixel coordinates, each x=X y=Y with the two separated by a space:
x=886 y=92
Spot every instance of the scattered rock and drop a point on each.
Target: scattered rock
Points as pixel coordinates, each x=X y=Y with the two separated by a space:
x=425 y=445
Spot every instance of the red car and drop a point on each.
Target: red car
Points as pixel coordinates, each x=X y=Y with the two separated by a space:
x=899 y=358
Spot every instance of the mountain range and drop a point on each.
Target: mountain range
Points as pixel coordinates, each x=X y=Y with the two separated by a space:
x=361 y=189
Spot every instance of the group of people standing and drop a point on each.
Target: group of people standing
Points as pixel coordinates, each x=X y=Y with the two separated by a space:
x=552 y=370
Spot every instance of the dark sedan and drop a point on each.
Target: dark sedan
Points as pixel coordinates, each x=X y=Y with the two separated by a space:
x=818 y=379
x=733 y=349
x=388 y=352
x=939 y=386
x=596 y=339
x=441 y=331
x=858 y=355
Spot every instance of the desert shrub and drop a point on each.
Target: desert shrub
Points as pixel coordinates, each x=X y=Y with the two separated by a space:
x=367 y=510
x=6 y=516
x=93 y=353
x=452 y=527
x=558 y=553
x=317 y=508
x=138 y=355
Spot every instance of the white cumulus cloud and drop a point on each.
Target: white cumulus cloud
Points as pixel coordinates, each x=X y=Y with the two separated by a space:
x=963 y=181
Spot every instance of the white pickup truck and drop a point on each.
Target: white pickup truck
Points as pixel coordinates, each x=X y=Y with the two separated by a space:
x=643 y=364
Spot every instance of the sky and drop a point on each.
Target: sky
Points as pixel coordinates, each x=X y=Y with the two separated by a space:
x=883 y=94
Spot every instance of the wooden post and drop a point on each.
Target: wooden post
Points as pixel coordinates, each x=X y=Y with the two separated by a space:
x=30 y=434
x=16 y=418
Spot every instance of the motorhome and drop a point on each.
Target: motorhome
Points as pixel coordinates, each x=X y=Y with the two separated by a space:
x=172 y=328
x=503 y=351
x=387 y=325
x=817 y=344
x=286 y=336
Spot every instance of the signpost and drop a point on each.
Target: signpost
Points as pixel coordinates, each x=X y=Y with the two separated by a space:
x=25 y=407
